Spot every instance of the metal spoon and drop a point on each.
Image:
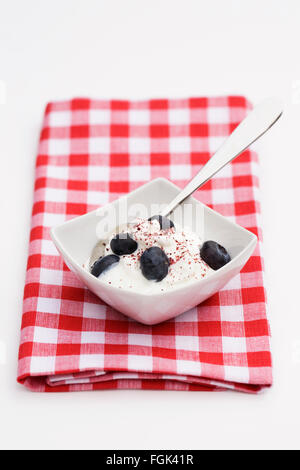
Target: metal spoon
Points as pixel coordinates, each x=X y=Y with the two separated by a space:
x=258 y=121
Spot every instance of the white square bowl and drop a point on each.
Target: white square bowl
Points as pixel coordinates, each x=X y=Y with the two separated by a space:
x=76 y=238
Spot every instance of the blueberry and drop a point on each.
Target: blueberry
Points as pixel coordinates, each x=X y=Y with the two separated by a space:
x=102 y=264
x=154 y=264
x=214 y=255
x=123 y=244
x=164 y=222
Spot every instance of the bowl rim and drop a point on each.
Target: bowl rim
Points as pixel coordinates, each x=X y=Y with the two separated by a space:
x=174 y=288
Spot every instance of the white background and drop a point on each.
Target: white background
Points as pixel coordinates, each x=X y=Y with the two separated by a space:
x=137 y=49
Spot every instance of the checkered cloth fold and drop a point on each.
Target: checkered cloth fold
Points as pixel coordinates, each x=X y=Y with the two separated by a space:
x=90 y=153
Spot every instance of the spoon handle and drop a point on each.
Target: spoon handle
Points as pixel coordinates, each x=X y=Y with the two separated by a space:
x=258 y=121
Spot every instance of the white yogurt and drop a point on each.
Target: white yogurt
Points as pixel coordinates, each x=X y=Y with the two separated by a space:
x=182 y=247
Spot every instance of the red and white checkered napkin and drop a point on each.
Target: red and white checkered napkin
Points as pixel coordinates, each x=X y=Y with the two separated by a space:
x=90 y=153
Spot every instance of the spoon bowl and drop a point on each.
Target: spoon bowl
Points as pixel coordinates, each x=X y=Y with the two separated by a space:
x=76 y=238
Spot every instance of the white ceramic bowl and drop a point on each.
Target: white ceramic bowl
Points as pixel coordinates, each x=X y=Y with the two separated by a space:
x=76 y=238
